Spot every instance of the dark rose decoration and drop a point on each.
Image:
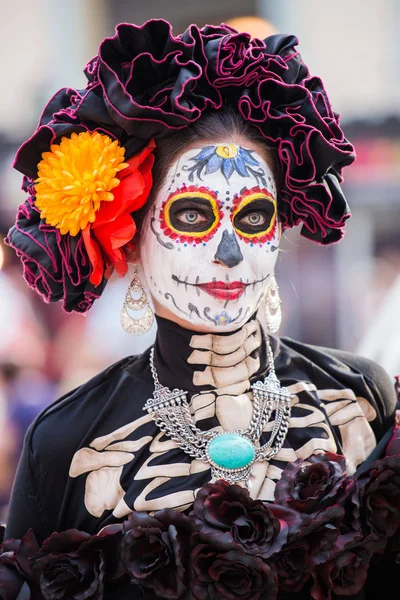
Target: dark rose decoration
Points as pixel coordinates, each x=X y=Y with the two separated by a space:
x=316 y=484
x=380 y=498
x=229 y=546
x=344 y=574
x=16 y=576
x=294 y=565
x=218 y=575
x=311 y=546
x=235 y=521
x=71 y=565
x=155 y=551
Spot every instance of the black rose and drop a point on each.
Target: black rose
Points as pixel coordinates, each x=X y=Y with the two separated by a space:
x=218 y=575
x=345 y=573
x=56 y=265
x=155 y=551
x=318 y=483
x=380 y=498
x=311 y=546
x=237 y=522
x=16 y=576
x=71 y=565
x=294 y=565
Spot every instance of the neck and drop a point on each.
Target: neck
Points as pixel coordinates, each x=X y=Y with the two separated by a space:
x=199 y=362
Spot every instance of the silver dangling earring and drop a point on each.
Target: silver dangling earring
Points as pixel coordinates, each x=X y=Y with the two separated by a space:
x=144 y=323
x=273 y=313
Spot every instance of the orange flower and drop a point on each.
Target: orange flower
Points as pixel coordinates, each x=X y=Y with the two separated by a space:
x=75 y=177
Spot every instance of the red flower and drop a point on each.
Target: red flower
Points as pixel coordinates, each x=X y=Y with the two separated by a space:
x=107 y=239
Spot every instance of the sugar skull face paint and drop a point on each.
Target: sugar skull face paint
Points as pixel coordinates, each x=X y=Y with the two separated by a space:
x=209 y=244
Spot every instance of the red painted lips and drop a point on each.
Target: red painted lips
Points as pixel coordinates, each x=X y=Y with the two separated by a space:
x=222 y=290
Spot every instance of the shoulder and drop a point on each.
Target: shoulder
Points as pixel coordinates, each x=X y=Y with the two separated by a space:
x=334 y=358
x=364 y=376
x=67 y=421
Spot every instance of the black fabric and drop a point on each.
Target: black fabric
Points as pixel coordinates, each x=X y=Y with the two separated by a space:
x=172 y=349
x=47 y=499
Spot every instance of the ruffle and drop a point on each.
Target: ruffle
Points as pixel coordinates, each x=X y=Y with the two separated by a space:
x=55 y=265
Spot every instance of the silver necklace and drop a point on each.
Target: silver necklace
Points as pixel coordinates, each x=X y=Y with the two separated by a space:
x=231 y=454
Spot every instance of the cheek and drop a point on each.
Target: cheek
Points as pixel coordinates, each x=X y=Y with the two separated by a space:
x=163 y=259
x=261 y=257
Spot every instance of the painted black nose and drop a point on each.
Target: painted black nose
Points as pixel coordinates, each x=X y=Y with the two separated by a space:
x=228 y=251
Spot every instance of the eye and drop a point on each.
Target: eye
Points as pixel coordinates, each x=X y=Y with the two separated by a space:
x=254 y=218
x=191 y=213
x=191 y=217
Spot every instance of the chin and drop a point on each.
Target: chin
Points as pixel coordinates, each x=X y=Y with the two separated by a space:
x=215 y=319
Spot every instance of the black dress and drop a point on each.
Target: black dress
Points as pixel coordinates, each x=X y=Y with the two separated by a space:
x=94 y=455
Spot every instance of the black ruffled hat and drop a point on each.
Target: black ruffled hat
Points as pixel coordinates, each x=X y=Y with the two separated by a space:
x=144 y=84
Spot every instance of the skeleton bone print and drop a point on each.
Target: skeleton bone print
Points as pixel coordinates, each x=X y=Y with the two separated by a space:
x=221 y=367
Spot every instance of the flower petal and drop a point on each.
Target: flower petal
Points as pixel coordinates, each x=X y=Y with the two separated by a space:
x=248 y=158
x=95 y=256
x=213 y=164
x=227 y=167
x=240 y=166
x=113 y=236
x=206 y=152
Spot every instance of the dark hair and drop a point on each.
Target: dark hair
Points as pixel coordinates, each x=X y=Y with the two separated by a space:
x=222 y=125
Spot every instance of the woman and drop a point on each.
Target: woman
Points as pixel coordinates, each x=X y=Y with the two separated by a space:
x=244 y=144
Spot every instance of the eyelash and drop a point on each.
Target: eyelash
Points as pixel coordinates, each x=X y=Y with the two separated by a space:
x=193 y=210
x=263 y=213
x=252 y=196
x=190 y=193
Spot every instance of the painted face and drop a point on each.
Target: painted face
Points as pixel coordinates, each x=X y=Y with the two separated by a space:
x=210 y=241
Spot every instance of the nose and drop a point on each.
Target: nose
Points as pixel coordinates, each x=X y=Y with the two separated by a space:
x=228 y=252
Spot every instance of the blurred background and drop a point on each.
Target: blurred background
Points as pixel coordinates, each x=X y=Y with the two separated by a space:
x=346 y=296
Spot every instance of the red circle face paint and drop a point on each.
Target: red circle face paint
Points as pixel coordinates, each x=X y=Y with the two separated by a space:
x=254 y=215
x=191 y=214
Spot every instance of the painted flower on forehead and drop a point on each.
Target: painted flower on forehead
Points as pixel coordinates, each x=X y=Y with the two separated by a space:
x=84 y=186
x=228 y=159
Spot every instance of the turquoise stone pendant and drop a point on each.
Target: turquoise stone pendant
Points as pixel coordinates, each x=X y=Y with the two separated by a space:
x=231 y=451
